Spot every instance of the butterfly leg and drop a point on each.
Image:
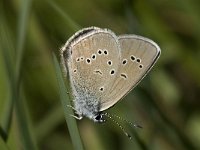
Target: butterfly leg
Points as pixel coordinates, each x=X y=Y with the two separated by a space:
x=71 y=107
x=77 y=117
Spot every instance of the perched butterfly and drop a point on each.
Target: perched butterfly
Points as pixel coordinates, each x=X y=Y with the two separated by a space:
x=103 y=68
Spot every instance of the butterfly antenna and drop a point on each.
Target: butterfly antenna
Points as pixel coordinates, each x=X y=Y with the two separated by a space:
x=120 y=118
x=109 y=116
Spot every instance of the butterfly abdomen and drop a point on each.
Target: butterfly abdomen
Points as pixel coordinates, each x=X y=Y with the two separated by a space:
x=86 y=103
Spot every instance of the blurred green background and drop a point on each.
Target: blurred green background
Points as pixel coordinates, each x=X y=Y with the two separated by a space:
x=166 y=103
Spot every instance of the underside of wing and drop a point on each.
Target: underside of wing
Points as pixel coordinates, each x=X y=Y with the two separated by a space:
x=65 y=50
x=138 y=55
x=92 y=60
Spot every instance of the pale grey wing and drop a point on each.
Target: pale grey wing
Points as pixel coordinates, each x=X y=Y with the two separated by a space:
x=92 y=61
x=64 y=51
x=138 y=55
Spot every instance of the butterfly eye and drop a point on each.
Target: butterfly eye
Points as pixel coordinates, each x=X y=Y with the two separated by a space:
x=75 y=70
x=99 y=118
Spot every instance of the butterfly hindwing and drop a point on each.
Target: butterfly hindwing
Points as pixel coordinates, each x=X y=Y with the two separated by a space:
x=138 y=55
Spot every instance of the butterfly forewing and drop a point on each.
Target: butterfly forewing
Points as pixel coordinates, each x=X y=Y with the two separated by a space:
x=138 y=54
x=93 y=63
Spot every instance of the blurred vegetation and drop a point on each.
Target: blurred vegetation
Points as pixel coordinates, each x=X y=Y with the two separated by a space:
x=166 y=103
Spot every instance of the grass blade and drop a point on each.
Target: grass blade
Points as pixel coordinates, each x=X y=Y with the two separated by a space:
x=3 y=145
x=65 y=100
x=70 y=21
x=20 y=107
x=6 y=46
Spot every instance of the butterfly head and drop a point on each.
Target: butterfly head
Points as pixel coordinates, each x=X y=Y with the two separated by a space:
x=99 y=117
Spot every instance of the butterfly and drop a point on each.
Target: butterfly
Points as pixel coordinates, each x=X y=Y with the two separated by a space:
x=104 y=67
